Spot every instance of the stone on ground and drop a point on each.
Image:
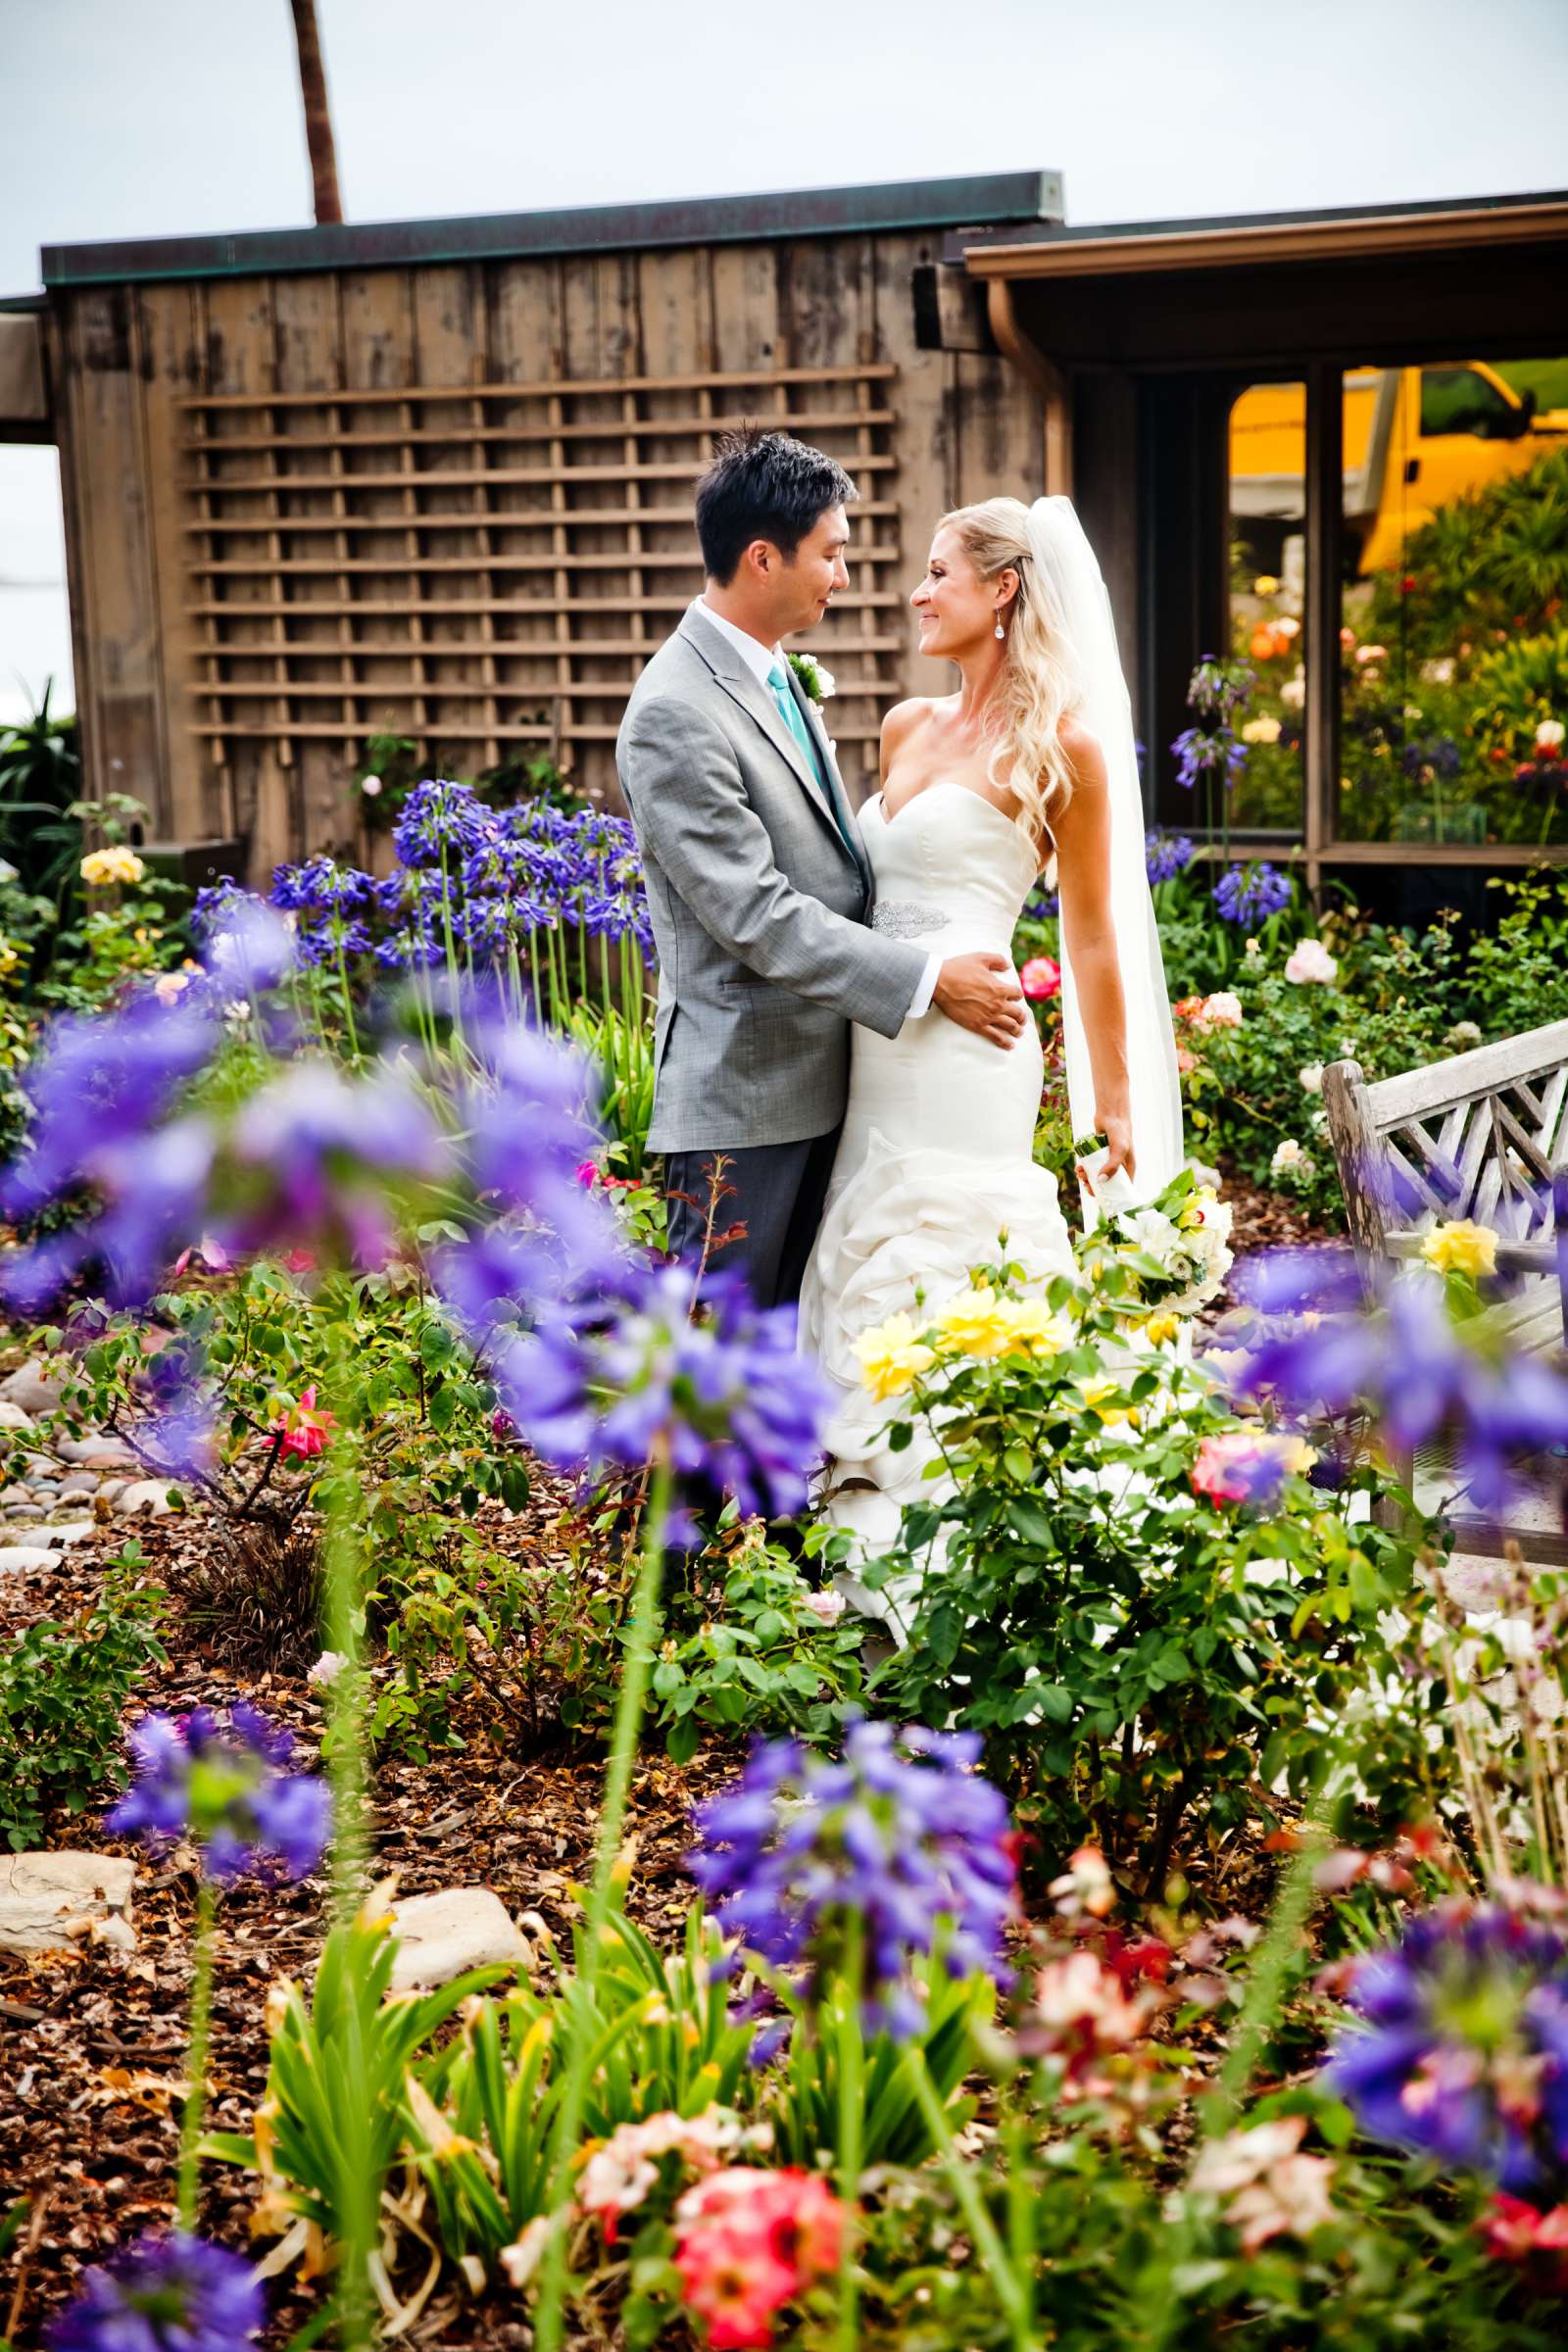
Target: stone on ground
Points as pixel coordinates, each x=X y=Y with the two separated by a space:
x=24 y=1555
x=144 y=1495
x=11 y=1415
x=440 y=1936
x=51 y=1901
x=32 y=1387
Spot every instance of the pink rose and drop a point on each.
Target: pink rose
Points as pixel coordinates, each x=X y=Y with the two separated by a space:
x=1040 y=979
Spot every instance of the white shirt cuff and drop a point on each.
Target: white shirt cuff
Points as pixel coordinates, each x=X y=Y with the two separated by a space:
x=920 y=1001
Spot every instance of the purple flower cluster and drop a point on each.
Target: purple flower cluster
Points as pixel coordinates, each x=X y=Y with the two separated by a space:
x=224 y=1784
x=489 y=879
x=1403 y=1358
x=1205 y=752
x=1249 y=894
x=898 y=1849
x=627 y=1372
x=1219 y=689
x=98 y=1089
x=1166 y=855
x=1463 y=2054
x=164 y=2294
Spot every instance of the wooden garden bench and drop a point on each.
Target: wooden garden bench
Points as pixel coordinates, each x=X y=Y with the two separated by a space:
x=1485 y=1136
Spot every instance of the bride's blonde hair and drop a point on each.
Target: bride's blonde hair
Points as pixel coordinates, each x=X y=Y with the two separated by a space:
x=1039 y=686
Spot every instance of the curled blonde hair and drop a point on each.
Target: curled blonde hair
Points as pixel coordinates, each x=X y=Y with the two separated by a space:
x=1039 y=687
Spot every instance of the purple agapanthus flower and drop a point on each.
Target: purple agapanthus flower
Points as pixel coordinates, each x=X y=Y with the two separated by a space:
x=436 y=815
x=314 y=1152
x=164 y=2294
x=1208 y=752
x=625 y=1374
x=1401 y=1358
x=213 y=907
x=1463 y=2051
x=899 y=1838
x=1166 y=855
x=322 y=886
x=1249 y=893
x=222 y=1784
x=1219 y=689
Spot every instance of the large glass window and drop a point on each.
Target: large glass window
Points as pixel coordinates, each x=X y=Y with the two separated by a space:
x=1267 y=604
x=1454 y=644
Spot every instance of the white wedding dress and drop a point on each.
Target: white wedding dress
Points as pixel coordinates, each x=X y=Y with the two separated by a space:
x=935 y=1162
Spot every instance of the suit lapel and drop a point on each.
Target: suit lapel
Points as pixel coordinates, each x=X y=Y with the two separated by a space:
x=745 y=688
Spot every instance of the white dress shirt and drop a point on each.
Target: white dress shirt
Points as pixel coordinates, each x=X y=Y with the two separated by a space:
x=760 y=660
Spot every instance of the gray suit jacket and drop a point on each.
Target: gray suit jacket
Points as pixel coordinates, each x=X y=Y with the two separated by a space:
x=760 y=905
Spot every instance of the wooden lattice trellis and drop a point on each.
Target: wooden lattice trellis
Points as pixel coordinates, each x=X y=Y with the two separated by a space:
x=488 y=566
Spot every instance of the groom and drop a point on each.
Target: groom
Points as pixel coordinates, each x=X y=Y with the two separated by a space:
x=758 y=887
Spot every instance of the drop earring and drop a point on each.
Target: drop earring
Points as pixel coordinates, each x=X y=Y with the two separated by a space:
x=1001 y=631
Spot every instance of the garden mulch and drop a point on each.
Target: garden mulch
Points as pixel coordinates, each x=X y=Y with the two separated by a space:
x=92 y=2043
x=93 y=2040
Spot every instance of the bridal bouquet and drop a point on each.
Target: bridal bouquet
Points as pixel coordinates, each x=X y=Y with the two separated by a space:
x=1176 y=1246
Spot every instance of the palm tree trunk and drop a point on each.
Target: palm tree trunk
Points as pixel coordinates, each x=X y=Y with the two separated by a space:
x=318 y=113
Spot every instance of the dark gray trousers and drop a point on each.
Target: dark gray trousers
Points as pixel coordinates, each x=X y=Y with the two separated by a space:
x=774 y=1190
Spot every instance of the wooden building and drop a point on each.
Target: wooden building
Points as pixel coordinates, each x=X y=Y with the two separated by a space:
x=433 y=480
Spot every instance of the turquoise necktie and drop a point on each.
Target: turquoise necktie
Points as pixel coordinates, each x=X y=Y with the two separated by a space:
x=790 y=713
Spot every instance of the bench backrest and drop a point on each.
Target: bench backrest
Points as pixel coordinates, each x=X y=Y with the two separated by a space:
x=1483 y=1135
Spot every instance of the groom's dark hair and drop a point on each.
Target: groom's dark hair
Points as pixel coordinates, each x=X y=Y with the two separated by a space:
x=763 y=485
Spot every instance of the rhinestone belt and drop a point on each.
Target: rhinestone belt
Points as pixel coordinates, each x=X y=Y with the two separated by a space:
x=907 y=919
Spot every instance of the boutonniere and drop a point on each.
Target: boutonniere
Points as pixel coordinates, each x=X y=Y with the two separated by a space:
x=817 y=681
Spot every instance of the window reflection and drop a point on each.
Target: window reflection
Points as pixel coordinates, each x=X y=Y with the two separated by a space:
x=1267 y=602
x=1453 y=648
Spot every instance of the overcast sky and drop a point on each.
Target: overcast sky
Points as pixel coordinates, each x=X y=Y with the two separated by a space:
x=158 y=118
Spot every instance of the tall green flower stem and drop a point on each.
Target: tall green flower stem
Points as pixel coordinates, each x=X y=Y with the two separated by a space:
x=1012 y=2291
x=199 y=2044
x=851 y=2119
x=643 y=1632
x=343 y=1615
x=1157 y=2305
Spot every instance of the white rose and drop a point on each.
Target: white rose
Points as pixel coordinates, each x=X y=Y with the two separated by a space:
x=1439 y=672
x=1310 y=1075
x=1311 y=961
x=1154 y=1233
x=1292 y=694
x=824 y=680
x=1224 y=1011
x=1549 y=735
x=1290 y=1157
x=1261 y=730
x=369 y=786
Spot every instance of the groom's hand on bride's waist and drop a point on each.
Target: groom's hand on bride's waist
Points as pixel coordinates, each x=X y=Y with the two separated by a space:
x=980 y=992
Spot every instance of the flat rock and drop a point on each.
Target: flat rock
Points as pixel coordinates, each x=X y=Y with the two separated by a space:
x=24 y=1555
x=11 y=1415
x=51 y=1901
x=97 y=1453
x=144 y=1495
x=66 y=1531
x=81 y=1482
x=440 y=1936
x=32 y=1387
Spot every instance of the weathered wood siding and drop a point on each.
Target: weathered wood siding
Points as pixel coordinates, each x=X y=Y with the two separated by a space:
x=452 y=503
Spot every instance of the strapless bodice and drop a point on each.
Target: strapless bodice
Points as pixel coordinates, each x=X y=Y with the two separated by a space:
x=947 y=861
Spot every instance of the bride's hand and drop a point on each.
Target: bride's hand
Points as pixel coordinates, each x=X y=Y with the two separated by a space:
x=1118 y=1135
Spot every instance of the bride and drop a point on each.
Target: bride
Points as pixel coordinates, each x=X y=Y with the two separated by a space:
x=1031 y=767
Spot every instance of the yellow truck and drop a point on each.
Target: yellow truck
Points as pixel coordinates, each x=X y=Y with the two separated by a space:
x=1414 y=438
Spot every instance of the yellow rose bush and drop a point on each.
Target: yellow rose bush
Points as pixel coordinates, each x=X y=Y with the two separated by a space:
x=1138 y=1599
